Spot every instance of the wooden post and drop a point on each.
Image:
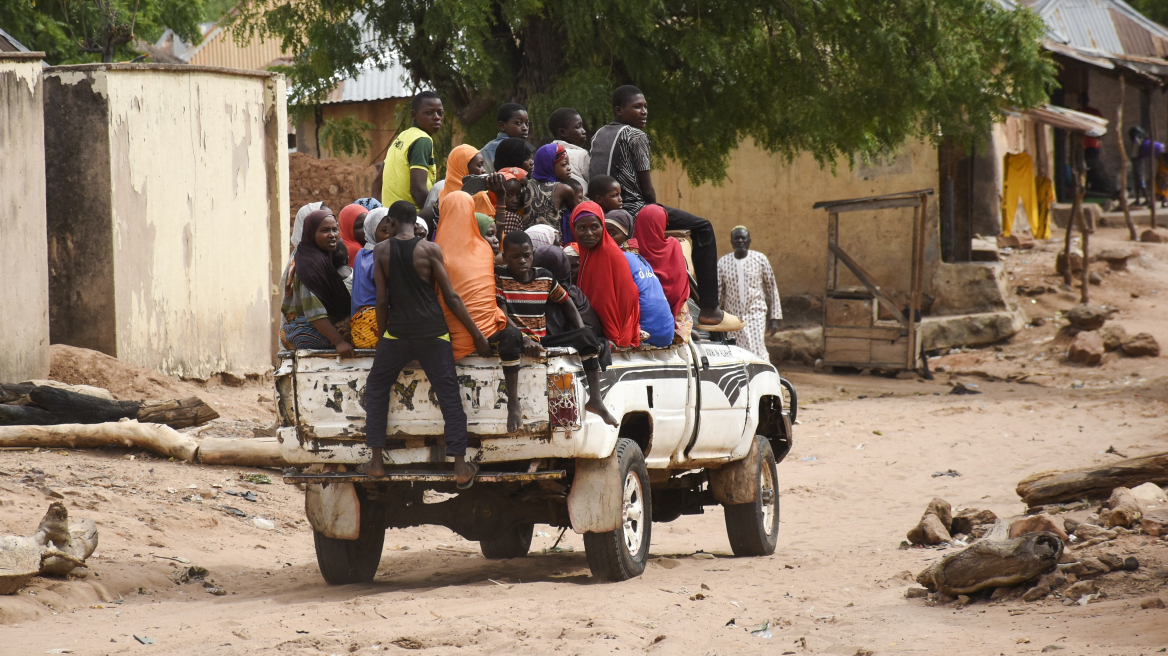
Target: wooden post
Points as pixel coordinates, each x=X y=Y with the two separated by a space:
x=1077 y=215
x=1117 y=130
x=1153 y=159
x=920 y=215
x=1067 y=275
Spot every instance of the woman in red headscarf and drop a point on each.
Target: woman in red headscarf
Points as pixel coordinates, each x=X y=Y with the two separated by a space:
x=664 y=254
x=347 y=219
x=605 y=277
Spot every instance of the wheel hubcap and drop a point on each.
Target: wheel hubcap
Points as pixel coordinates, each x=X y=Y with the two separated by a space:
x=766 y=492
x=632 y=513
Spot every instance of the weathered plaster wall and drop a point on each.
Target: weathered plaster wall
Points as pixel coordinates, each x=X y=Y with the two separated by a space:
x=24 y=277
x=774 y=200
x=197 y=202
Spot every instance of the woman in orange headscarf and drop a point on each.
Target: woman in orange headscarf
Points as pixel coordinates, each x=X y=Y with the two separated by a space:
x=465 y=160
x=346 y=220
x=470 y=263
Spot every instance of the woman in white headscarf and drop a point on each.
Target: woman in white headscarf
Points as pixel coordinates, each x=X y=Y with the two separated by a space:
x=543 y=235
x=363 y=325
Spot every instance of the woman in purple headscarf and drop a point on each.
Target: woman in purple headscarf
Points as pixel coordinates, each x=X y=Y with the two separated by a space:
x=316 y=312
x=549 y=193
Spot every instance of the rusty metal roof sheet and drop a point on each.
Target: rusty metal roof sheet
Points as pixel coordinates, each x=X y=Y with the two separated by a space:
x=1106 y=26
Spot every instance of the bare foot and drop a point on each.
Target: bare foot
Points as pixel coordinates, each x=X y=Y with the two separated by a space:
x=514 y=416
x=597 y=408
x=710 y=316
x=375 y=467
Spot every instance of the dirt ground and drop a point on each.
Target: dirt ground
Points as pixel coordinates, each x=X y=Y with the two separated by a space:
x=859 y=476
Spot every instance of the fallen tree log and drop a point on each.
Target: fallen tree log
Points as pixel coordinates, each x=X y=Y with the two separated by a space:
x=45 y=405
x=54 y=550
x=1092 y=482
x=156 y=438
x=246 y=452
x=180 y=413
x=993 y=564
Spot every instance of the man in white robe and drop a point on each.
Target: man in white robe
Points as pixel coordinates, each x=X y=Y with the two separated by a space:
x=747 y=288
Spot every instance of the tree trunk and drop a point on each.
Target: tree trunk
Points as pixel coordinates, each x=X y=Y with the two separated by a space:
x=1117 y=130
x=993 y=564
x=163 y=440
x=1068 y=277
x=1092 y=482
x=246 y=452
x=180 y=413
x=73 y=408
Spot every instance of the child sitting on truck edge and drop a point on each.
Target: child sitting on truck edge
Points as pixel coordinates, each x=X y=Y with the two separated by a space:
x=407 y=268
x=523 y=292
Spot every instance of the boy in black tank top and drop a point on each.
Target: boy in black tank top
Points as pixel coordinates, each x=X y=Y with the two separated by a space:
x=412 y=327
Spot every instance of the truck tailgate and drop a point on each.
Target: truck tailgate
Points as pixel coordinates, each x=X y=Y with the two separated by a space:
x=329 y=397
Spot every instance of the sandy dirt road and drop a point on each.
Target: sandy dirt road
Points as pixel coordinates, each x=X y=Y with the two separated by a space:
x=858 y=478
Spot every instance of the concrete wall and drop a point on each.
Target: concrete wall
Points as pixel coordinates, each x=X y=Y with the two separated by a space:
x=24 y=277
x=774 y=200
x=168 y=249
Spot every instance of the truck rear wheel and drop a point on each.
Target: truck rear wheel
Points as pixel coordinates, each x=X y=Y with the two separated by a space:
x=514 y=542
x=621 y=554
x=753 y=528
x=349 y=561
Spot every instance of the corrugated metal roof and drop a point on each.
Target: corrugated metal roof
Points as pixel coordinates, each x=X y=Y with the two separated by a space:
x=373 y=84
x=1107 y=26
x=10 y=44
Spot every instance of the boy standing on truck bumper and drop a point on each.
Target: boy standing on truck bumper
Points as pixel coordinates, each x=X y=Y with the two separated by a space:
x=412 y=327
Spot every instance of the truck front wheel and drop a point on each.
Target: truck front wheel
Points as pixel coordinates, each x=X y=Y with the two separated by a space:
x=621 y=554
x=753 y=527
x=349 y=561
x=514 y=542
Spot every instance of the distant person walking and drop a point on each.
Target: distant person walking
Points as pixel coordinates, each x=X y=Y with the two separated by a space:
x=410 y=169
x=748 y=288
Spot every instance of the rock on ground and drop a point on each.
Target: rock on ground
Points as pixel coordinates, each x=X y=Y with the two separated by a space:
x=1155 y=523
x=1038 y=524
x=934 y=525
x=968 y=518
x=1060 y=262
x=1113 y=336
x=1141 y=345
x=1152 y=237
x=1086 y=317
x=1087 y=348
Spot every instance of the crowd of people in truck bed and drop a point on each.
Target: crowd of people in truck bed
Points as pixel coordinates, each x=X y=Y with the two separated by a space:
x=516 y=250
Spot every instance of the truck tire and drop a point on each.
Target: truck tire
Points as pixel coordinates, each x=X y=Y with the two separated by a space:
x=753 y=527
x=349 y=561
x=621 y=554
x=515 y=542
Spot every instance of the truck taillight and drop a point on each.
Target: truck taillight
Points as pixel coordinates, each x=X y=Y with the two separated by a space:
x=562 y=401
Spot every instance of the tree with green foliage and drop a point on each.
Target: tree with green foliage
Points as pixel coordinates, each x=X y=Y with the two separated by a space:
x=81 y=31
x=836 y=78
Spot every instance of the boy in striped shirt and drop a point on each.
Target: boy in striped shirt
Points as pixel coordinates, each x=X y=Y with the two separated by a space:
x=523 y=291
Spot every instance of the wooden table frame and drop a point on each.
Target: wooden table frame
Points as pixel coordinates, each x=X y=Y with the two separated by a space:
x=904 y=326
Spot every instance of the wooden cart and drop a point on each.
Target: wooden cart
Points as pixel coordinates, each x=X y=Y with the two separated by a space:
x=854 y=332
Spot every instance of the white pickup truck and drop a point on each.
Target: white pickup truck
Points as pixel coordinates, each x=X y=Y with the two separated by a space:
x=700 y=424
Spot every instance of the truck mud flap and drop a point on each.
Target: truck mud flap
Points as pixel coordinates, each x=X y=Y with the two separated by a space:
x=333 y=510
x=424 y=476
x=595 y=501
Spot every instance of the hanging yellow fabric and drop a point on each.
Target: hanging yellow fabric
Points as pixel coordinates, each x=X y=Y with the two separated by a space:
x=1045 y=189
x=1018 y=176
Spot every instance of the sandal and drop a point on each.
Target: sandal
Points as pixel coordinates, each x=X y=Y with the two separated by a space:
x=466 y=485
x=729 y=323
